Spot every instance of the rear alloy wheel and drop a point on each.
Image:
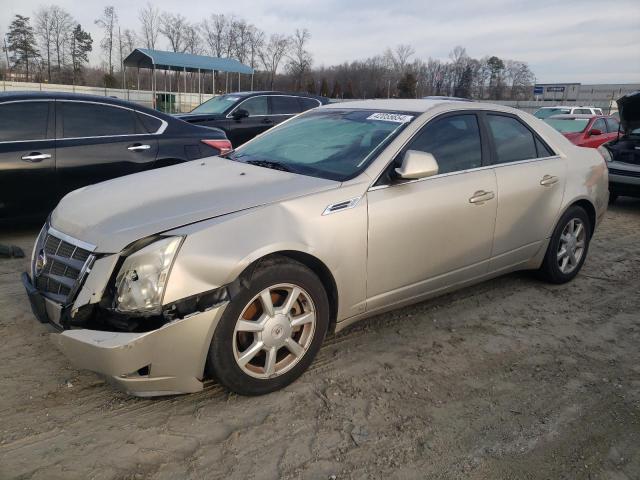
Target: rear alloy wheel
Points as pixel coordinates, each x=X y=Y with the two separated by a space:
x=568 y=247
x=271 y=330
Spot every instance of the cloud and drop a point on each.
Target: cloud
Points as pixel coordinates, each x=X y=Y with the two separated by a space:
x=574 y=40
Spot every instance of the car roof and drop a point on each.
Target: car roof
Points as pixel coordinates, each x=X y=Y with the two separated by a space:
x=575 y=116
x=272 y=92
x=48 y=95
x=417 y=105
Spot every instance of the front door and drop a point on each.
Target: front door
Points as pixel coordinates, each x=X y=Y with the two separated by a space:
x=428 y=234
x=531 y=180
x=97 y=142
x=27 y=158
x=242 y=130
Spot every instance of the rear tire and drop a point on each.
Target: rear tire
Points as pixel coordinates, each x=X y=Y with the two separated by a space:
x=568 y=247
x=271 y=330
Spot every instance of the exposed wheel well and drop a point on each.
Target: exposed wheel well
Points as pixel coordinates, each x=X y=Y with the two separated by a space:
x=317 y=267
x=591 y=212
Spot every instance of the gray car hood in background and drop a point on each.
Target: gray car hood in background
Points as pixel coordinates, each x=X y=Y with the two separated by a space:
x=113 y=214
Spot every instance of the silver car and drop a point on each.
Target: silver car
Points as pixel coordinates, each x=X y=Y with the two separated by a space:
x=238 y=267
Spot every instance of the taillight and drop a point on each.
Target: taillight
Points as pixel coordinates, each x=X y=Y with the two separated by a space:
x=223 y=145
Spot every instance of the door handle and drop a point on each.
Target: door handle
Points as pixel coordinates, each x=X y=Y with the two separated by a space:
x=139 y=148
x=36 y=157
x=480 y=197
x=548 y=180
x=268 y=121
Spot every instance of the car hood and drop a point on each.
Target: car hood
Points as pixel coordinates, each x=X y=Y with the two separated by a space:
x=113 y=214
x=629 y=108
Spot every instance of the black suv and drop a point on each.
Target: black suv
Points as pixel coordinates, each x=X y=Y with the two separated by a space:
x=624 y=152
x=52 y=143
x=244 y=115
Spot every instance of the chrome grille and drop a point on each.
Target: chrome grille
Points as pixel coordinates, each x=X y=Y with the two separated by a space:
x=59 y=264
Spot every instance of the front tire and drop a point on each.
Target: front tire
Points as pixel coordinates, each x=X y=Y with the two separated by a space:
x=272 y=329
x=568 y=247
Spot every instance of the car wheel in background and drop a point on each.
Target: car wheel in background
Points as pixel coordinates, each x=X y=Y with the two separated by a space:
x=568 y=247
x=272 y=329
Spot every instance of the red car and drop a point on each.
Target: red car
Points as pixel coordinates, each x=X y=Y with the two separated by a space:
x=585 y=130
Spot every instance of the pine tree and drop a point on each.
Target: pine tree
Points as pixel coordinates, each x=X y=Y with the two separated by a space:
x=81 y=45
x=21 y=43
x=348 y=91
x=337 y=91
x=324 y=88
x=407 y=86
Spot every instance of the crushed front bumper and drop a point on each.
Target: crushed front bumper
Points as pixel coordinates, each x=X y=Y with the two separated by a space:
x=166 y=361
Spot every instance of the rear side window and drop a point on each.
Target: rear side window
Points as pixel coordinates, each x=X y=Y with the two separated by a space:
x=513 y=141
x=308 y=103
x=586 y=111
x=612 y=125
x=149 y=123
x=454 y=141
x=95 y=120
x=23 y=121
x=284 y=105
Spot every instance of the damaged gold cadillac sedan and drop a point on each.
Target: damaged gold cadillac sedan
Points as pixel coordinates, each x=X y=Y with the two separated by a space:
x=238 y=267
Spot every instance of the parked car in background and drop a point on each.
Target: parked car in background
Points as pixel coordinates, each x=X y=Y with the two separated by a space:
x=244 y=115
x=585 y=130
x=545 y=112
x=623 y=154
x=237 y=268
x=53 y=143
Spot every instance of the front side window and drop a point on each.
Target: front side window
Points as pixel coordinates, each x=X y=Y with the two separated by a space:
x=513 y=141
x=454 y=141
x=284 y=105
x=255 y=106
x=599 y=125
x=332 y=144
x=23 y=121
x=81 y=119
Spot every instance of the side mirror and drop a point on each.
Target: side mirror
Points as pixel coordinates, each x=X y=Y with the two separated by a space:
x=240 y=114
x=595 y=131
x=416 y=165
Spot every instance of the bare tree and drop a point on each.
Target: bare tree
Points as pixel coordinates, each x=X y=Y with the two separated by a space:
x=256 y=42
x=62 y=23
x=44 y=33
x=299 y=59
x=149 y=17
x=173 y=28
x=214 y=31
x=272 y=54
x=192 y=40
x=108 y=23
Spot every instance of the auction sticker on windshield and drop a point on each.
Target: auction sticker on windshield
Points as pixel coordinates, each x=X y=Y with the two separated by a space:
x=390 y=117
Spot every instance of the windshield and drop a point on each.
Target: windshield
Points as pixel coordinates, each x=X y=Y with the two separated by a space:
x=331 y=144
x=547 y=112
x=216 y=104
x=566 y=125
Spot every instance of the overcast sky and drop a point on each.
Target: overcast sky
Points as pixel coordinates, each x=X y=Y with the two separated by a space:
x=587 y=41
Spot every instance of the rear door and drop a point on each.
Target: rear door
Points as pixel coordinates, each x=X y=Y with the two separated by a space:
x=27 y=158
x=97 y=142
x=283 y=107
x=531 y=180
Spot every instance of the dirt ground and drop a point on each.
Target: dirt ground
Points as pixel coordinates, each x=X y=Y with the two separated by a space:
x=512 y=379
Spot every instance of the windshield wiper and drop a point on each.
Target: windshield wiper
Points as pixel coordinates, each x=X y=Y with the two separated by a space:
x=270 y=164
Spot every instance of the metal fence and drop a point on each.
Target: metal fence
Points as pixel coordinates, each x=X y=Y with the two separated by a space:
x=172 y=102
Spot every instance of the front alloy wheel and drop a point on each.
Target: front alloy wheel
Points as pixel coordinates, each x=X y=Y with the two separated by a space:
x=274 y=331
x=272 y=328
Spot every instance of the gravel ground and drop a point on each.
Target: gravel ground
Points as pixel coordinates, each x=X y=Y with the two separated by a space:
x=513 y=379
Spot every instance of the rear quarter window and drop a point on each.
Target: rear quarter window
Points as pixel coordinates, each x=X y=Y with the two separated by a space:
x=308 y=103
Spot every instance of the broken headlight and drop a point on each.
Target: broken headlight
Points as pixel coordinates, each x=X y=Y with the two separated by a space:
x=142 y=279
